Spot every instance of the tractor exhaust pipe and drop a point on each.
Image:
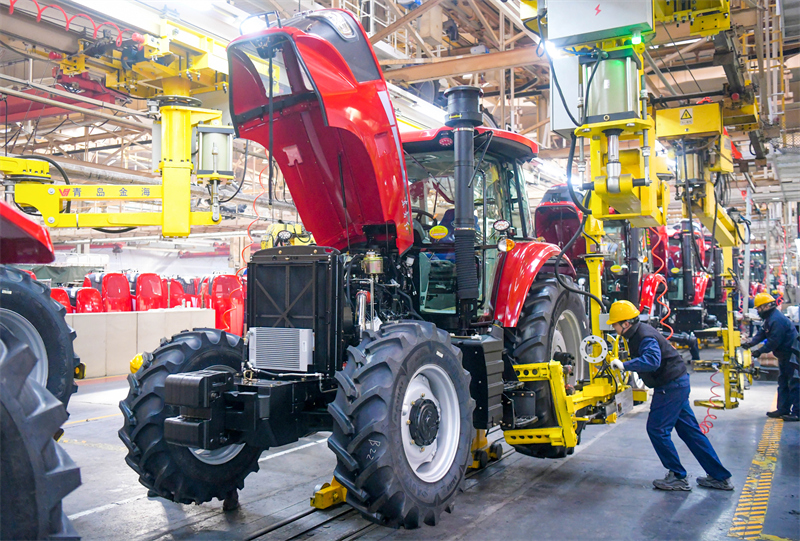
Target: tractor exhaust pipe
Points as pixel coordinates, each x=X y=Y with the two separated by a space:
x=463 y=115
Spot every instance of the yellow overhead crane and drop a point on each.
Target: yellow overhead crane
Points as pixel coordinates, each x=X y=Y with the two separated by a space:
x=168 y=70
x=607 y=46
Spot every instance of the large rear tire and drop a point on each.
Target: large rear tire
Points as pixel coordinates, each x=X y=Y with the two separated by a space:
x=402 y=424
x=181 y=474
x=28 y=312
x=553 y=320
x=36 y=472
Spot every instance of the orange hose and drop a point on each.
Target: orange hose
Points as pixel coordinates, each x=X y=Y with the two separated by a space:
x=707 y=425
x=660 y=298
x=258 y=217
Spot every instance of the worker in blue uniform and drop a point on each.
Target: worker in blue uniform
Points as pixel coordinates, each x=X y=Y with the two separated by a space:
x=779 y=336
x=662 y=368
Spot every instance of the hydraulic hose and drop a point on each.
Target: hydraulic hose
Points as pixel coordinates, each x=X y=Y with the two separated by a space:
x=570 y=188
x=660 y=298
x=54 y=164
x=560 y=256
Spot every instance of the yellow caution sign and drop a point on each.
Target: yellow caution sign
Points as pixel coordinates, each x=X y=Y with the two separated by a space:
x=686 y=117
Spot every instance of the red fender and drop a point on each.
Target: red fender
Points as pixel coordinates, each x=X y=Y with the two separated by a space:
x=649 y=290
x=515 y=275
x=700 y=286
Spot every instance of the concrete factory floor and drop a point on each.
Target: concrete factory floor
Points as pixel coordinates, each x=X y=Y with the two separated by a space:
x=602 y=491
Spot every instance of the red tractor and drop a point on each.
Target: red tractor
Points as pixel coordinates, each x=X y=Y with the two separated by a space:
x=399 y=332
x=37 y=367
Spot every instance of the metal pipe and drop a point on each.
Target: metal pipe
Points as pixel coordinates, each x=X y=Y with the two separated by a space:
x=361 y=310
x=613 y=166
x=74 y=108
x=70 y=95
x=691 y=96
x=659 y=73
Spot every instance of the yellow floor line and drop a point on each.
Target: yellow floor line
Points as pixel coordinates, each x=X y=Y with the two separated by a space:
x=748 y=519
x=103 y=446
x=91 y=419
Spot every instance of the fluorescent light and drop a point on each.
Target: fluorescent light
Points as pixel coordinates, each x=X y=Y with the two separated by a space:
x=252 y=25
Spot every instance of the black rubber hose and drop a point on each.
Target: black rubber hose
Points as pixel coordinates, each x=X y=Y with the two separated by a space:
x=54 y=164
x=560 y=256
x=570 y=188
x=241 y=182
x=349 y=273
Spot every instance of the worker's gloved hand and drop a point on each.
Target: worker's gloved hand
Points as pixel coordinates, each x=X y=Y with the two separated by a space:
x=756 y=353
x=616 y=364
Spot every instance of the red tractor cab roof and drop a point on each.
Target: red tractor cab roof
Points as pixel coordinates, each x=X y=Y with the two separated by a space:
x=505 y=143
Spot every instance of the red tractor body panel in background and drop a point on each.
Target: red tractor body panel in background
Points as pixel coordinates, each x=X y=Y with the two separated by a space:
x=649 y=290
x=700 y=286
x=149 y=293
x=88 y=300
x=60 y=294
x=515 y=275
x=340 y=135
x=21 y=239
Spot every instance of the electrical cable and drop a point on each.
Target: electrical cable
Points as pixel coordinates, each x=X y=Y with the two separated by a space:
x=244 y=170
x=682 y=59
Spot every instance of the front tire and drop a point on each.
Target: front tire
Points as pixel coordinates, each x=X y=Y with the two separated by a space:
x=402 y=424
x=28 y=312
x=36 y=472
x=177 y=473
x=553 y=320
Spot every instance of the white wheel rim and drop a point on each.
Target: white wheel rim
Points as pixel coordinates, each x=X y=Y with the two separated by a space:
x=567 y=338
x=23 y=330
x=222 y=455
x=430 y=463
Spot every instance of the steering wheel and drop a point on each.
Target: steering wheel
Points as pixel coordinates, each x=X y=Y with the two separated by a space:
x=419 y=214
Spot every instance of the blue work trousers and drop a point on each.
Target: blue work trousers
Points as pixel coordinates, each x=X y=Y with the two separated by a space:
x=670 y=409
x=788 y=386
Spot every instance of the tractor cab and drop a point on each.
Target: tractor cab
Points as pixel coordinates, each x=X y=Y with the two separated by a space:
x=501 y=209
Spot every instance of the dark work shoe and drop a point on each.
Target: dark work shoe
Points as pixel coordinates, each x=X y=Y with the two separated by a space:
x=775 y=414
x=710 y=482
x=671 y=482
x=790 y=418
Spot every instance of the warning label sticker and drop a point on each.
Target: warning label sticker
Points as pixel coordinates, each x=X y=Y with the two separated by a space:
x=686 y=116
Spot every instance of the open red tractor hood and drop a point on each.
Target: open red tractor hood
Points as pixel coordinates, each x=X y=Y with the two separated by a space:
x=335 y=138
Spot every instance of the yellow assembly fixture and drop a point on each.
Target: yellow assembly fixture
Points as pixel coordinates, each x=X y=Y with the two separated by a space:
x=169 y=71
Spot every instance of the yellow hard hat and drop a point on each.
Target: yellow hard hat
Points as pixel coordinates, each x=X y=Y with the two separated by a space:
x=622 y=311
x=762 y=299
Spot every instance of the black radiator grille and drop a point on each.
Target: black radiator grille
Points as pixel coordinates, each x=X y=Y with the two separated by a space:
x=299 y=287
